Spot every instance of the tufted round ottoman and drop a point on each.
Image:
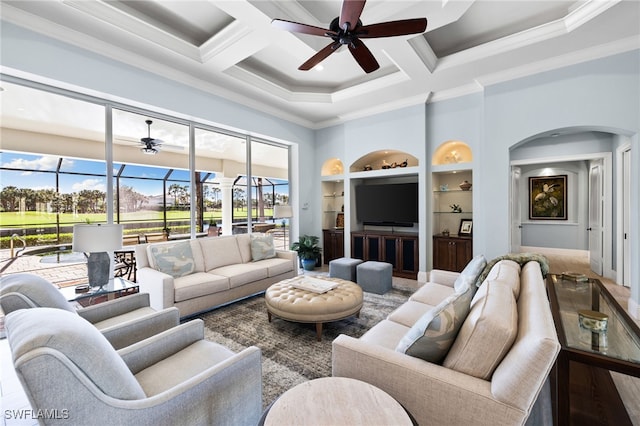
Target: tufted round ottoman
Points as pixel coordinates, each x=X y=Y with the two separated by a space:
x=287 y=302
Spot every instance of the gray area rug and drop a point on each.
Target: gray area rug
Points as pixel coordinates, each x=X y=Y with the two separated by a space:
x=290 y=352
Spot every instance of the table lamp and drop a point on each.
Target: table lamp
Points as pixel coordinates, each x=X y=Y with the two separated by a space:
x=97 y=240
x=283 y=212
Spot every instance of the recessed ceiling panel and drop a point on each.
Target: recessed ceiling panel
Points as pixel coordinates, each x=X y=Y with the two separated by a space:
x=486 y=21
x=338 y=71
x=192 y=21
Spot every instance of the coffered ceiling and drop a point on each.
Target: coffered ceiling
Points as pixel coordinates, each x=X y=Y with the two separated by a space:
x=230 y=48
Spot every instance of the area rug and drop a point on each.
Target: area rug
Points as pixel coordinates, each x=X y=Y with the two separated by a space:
x=290 y=352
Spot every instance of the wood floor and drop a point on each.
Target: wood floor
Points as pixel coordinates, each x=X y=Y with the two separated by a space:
x=628 y=387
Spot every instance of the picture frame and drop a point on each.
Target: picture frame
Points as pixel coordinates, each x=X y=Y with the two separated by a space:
x=548 y=197
x=466 y=227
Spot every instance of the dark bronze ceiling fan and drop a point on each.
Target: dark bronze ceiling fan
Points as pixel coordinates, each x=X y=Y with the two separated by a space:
x=347 y=29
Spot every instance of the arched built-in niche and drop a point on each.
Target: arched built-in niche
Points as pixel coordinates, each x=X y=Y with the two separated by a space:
x=452 y=152
x=383 y=159
x=332 y=167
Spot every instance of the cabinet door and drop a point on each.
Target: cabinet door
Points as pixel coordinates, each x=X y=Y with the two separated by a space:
x=390 y=251
x=357 y=246
x=408 y=265
x=463 y=254
x=338 y=244
x=373 y=245
x=442 y=254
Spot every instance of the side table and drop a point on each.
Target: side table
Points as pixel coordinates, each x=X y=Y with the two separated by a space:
x=335 y=401
x=119 y=287
x=586 y=356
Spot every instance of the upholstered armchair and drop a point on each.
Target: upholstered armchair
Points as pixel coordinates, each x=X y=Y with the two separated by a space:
x=176 y=377
x=123 y=321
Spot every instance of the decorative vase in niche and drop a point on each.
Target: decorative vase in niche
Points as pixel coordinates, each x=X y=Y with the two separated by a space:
x=465 y=186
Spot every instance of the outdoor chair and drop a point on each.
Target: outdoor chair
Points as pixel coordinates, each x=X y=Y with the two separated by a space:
x=123 y=321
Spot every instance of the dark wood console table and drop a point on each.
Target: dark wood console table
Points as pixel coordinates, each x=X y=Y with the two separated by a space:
x=582 y=368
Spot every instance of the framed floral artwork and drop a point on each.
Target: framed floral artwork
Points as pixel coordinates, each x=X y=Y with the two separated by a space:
x=548 y=197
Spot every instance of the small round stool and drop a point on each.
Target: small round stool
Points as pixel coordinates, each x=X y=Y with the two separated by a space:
x=287 y=302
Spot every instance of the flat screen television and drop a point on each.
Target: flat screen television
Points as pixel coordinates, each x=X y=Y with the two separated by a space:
x=393 y=204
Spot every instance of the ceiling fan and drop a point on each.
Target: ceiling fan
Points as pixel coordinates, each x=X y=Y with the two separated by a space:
x=150 y=146
x=347 y=29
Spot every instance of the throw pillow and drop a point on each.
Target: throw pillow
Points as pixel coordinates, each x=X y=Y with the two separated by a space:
x=470 y=273
x=173 y=259
x=262 y=247
x=433 y=334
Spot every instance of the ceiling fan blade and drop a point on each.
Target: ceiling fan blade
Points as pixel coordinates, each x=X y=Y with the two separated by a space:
x=363 y=56
x=319 y=57
x=393 y=28
x=351 y=11
x=300 y=28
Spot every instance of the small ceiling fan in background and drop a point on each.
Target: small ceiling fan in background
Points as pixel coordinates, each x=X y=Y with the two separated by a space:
x=347 y=29
x=150 y=146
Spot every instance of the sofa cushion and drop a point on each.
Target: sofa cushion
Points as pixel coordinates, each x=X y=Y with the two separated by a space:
x=487 y=334
x=409 y=312
x=433 y=334
x=182 y=366
x=508 y=272
x=386 y=334
x=262 y=247
x=79 y=341
x=198 y=284
x=469 y=274
x=175 y=259
x=275 y=266
x=220 y=251
x=241 y=273
x=244 y=245
x=432 y=293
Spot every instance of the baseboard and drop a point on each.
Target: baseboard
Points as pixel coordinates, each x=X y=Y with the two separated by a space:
x=634 y=309
x=422 y=277
x=549 y=251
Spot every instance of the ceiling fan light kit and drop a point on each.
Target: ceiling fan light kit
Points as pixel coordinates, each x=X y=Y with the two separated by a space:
x=150 y=145
x=343 y=32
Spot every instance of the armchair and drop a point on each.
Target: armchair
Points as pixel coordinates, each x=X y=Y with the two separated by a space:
x=122 y=321
x=176 y=377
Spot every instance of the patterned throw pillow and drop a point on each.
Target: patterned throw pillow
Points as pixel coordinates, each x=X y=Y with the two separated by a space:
x=173 y=259
x=433 y=334
x=470 y=273
x=262 y=247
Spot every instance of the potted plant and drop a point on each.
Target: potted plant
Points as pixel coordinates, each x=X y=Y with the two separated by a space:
x=308 y=250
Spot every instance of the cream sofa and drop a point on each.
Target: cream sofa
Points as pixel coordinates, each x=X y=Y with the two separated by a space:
x=494 y=370
x=200 y=274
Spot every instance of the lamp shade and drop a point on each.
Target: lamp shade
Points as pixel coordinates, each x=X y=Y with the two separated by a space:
x=282 y=211
x=97 y=238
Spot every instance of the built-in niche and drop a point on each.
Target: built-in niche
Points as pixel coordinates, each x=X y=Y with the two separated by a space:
x=452 y=152
x=386 y=159
x=332 y=167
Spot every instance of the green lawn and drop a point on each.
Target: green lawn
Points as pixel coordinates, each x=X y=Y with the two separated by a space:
x=31 y=220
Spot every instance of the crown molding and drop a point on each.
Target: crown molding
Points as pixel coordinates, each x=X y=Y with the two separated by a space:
x=562 y=61
x=550 y=30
